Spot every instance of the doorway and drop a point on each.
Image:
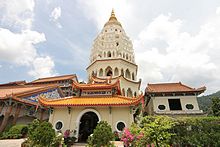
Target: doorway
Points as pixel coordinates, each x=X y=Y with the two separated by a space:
x=175 y=104
x=88 y=122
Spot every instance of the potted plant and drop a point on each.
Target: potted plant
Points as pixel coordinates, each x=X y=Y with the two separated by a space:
x=68 y=139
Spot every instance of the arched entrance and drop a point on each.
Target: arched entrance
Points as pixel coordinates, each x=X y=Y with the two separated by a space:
x=88 y=122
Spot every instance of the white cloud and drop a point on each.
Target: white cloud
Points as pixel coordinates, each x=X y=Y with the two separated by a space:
x=218 y=11
x=185 y=57
x=19 y=48
x=17 y=13
x=42 y=67
x=55 y=15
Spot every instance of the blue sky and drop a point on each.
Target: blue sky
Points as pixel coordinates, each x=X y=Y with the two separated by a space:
x=173 y=40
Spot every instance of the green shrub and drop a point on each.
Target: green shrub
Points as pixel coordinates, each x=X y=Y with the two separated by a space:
x=14 y=132
x=43 y=134
x=102 y=135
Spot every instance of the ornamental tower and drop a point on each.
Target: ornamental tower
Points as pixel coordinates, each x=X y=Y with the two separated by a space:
x=112 y=55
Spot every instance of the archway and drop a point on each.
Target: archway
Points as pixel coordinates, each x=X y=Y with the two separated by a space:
x=88 y=122
x=108 y=71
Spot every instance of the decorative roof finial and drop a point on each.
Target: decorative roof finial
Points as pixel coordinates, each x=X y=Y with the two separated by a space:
x=112 y=17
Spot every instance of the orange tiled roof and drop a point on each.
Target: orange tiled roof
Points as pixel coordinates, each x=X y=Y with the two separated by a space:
x=91 y=101
x=13 y=83
x=56 y=78
x=96 y=85
x=172 y=87
x=22 y=90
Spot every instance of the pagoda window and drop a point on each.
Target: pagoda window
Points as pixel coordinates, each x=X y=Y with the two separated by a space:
x=123 y=55
x=175 y=104
x=127 y=74
x=135 y=94
x=108 y=71
x=127 y=56
x=129 y=92
x=123 y=92
x=116 y=72
x=117 y=44
x=109 y=54
x=132 y=76
x=101 y=72
x=122 y=72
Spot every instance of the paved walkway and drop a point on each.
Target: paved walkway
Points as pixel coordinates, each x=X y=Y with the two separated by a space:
x=11 y=142
x=17 y=143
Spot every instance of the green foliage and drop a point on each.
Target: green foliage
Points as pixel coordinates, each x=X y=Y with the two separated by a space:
x=15 y=132
x=102 y=135
x=157 y=130
x=205 y=102
x=197 y=131
x=40 y=134
x=216 y=106
x=188 y=131
x=43 y=134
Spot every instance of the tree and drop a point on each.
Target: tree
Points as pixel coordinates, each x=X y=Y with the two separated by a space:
x=156 y=130
x=102 y=135
x=216 y=106
x=40 y=134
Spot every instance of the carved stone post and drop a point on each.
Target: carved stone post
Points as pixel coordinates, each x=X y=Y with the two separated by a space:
x=6 y=117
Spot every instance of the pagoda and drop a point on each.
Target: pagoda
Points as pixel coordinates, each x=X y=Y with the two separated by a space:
x=112 y=92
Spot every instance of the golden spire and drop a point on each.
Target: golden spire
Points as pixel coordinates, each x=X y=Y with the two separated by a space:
x=113 y=19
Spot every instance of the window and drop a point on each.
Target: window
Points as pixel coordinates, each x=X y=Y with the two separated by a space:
x=161 y=107
x=129 y=92
x=109 y=54
x=117 y=44
x=108 y=71
x=59 y=125
x=127 y=74
x=120 y=126
x=189 y=106
x=101 y=72
x=175 y=104
x=116 y=72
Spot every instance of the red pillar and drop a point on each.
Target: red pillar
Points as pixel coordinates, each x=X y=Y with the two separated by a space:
x=6 y=116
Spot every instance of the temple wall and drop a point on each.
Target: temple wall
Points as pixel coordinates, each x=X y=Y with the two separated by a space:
x=71 y=121
x=183 y=99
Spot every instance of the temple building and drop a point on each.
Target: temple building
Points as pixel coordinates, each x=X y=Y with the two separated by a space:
x=64 y=82
x=19 y=102
x=112 y=92
x=174 y=99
